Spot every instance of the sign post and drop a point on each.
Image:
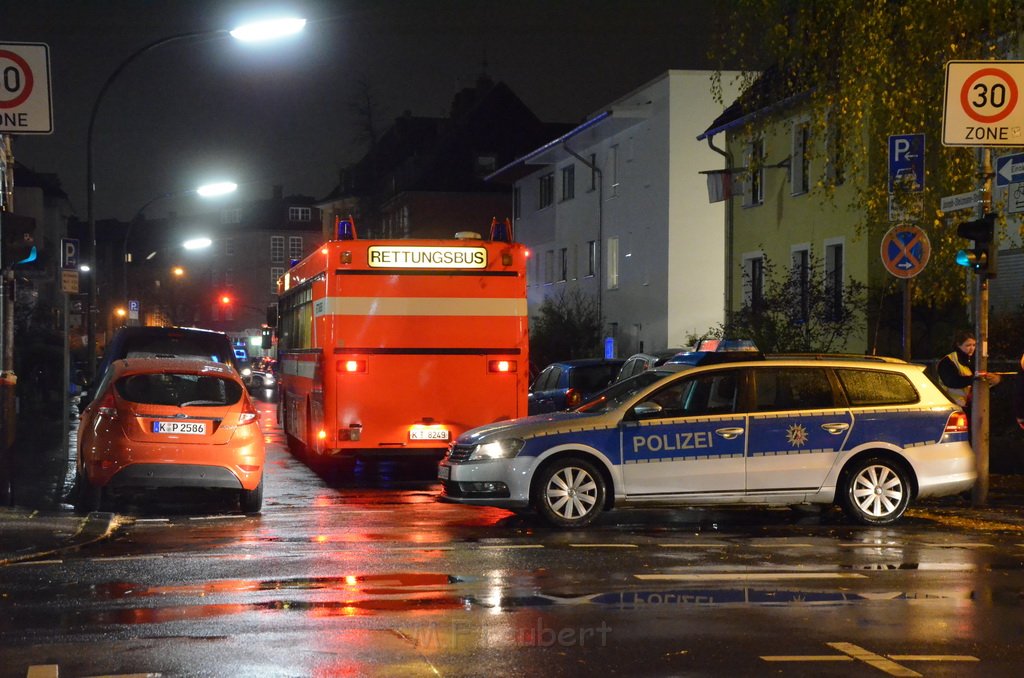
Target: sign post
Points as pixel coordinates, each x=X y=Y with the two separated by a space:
x=982 y=108
x=905 y=251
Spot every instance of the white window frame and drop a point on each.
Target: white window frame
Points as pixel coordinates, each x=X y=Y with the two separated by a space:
x=300 y=214
x=294 y=247
x=749 y=282
x=613 y=263
x=277 y=249
x=275 y=274
x=545 y=190
x=568 y=182
x=800 y=256
x=831 y=276
x=799 y=159
x=753 y=181
x=613 y=165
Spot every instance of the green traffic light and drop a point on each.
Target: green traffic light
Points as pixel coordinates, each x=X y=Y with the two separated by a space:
x=964 y=258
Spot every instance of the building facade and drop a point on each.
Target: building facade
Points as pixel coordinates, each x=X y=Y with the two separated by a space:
x=617 y=209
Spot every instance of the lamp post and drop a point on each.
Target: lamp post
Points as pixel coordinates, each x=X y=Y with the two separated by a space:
x=206 y=191
x=263 y=30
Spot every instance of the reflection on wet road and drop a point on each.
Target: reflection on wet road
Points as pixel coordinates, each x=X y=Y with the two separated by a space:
x=368 y=574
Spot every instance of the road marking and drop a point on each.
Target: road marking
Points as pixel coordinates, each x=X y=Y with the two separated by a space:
x=739 y=576
x=510 y=546
x=603 y=546
x=35 y=562
x=887 y=664
x=779 y=544
x=148 y=556
x=872 y=659
x=933 y=658
x=695 y=545
x=224 y=517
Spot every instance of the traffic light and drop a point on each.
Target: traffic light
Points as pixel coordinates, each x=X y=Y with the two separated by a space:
x=19 y=245
x=982 y=257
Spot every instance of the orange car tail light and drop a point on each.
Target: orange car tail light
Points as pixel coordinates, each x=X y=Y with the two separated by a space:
x=249 y=414
x=108 y=406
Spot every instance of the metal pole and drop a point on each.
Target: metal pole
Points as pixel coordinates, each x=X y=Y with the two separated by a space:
x=908 y=289
x=92 y=311
x=980 y=390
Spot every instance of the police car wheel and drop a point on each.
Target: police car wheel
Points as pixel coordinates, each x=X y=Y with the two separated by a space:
x=876 y=492
x=569 y=493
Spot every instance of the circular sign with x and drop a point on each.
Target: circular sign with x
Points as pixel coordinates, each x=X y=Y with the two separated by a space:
x=905 y=251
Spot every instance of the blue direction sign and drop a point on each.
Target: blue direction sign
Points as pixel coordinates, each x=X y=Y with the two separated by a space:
x=905 y=251
x=906 y=161
x=1010 y=169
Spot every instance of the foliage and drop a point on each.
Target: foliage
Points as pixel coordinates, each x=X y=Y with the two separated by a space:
x=567 y=326
x=867 y=70
x=796 y=311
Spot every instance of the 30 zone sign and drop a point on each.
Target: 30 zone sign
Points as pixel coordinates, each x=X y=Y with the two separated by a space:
x=983 y=104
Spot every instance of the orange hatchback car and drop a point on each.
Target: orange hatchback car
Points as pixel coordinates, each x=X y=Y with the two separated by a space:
x=169 y=422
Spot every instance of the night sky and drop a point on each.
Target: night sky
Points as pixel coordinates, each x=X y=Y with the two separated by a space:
x=281 y=114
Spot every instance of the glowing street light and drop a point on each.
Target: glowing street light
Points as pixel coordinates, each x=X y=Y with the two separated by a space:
x=197 y=243
x=258 y=31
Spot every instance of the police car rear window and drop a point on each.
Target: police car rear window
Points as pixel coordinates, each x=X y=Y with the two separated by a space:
x=868 y=387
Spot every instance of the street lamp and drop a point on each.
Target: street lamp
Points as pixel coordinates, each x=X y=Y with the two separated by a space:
x=207 y=190
x=268 y=30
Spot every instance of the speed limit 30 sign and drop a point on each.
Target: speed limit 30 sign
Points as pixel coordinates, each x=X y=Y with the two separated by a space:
x=983 y=104
x=25 y=88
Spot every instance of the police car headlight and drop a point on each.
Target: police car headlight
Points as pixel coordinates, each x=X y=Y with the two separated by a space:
x=499 y=449
x=246 y=371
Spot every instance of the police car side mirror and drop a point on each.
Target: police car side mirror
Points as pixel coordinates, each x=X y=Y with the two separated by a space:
x=648 y=408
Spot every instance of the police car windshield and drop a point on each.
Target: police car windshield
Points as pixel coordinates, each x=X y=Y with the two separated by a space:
x=620 y=392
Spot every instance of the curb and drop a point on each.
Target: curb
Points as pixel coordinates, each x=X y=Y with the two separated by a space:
x=68 y=533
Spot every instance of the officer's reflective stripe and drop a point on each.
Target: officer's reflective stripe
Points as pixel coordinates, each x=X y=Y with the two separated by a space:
x=422 y=306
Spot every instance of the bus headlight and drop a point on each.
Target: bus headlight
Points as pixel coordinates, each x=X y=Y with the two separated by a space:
x=499 y=449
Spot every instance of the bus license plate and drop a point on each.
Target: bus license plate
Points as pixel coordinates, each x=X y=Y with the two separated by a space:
x=190 y=427
x=444 y=472
x=428 y=434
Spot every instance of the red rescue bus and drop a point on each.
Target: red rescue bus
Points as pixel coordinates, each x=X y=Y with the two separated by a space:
x=395 y=347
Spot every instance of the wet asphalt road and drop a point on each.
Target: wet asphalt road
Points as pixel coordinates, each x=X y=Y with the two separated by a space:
x=372 y=576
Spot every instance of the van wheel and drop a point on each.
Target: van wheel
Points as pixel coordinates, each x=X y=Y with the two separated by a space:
x=876 y=491
x=251 y=501
x=569 y=493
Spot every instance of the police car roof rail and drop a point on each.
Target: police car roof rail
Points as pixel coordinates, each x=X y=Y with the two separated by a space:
x=835 y=356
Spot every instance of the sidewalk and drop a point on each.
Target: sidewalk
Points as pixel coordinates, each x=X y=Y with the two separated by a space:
x=27 y=534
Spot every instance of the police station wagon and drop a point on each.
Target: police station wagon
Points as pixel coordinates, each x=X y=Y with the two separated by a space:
x=867 y=434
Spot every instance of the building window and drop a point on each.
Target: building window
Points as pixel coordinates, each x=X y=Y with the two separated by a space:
x=229 y=277
x=593 y=171
x=800 y=164
x=801 y=277
x=569 y=182
x=228 y=244
x=613 y=165
x=834 y=153
x=232 y=216
x=549 y=267
x=834 y=281
x=517 y=202
x=299 y=214
x=546 y=190
x=277 y=249
x=753 y=193
x=294 y=247
x=591 y=258
x=613 y=263
x=753 y=287
x=563 y=264
x=275 y=274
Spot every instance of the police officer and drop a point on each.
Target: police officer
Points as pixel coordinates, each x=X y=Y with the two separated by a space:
x=956 y=370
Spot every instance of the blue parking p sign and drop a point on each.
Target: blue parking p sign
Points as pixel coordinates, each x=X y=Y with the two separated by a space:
x=906 y=162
